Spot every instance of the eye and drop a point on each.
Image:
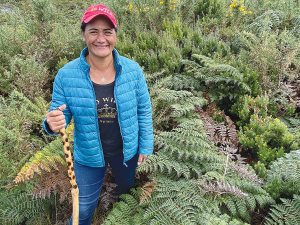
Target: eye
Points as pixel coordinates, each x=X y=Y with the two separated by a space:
x=108 y=32
x=93 y=32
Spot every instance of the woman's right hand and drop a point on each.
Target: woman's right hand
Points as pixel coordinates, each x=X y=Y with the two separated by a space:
x=56 y=119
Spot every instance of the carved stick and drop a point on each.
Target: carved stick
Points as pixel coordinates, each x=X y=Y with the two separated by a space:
x=71 y=174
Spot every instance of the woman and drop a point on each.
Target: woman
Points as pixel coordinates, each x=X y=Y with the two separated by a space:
x=108 y=98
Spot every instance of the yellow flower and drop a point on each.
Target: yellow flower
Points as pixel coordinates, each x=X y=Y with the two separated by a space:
x=245 y=12
x=241 y=2
x=161 y=2
x=250 y=12
x=227 y=15
x=130 y=7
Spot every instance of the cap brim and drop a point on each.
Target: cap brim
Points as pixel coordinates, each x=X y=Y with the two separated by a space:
x=90 y=18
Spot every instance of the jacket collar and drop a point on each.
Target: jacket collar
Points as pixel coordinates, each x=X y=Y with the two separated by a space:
x=86 y=67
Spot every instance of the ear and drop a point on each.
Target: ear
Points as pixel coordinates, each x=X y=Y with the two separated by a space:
x=83 y=37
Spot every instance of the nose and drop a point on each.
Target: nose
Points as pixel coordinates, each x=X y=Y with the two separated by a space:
x=101 y=37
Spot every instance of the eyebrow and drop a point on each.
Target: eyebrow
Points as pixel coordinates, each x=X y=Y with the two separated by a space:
x=105 y=29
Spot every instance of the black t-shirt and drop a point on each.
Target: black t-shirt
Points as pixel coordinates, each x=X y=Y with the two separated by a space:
x=109 y=128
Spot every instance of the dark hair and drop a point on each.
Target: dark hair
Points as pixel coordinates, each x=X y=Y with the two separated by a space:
x=83 y=25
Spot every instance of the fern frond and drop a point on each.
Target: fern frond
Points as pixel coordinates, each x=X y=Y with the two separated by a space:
x=265 y=22
x=17 y=208
x=287 y=212
x=207 y=70
x=44 y=160
x=283 y=177
x=126 y=211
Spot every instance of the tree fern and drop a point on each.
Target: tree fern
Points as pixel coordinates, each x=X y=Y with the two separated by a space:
x=283 y=177
x=171 y=98
x=222 y=80
x=15 y=209
x=286 y=213
x=127 y=211
x=191 y=178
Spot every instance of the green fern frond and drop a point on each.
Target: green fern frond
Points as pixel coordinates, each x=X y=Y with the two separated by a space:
x=288 y=212
x=127 y=211
x=212 y=219
x=267 y=21
x=283 y=177
x=209 y=71
x=17 y=208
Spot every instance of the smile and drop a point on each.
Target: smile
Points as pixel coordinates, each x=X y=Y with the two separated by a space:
x=101 y=46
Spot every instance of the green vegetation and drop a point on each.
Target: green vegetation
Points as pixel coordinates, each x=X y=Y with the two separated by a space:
x=209 y=64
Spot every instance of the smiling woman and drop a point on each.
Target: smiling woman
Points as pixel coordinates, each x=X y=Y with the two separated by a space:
x=108 y=98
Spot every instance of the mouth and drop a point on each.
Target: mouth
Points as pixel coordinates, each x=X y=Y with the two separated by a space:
x=101 y=46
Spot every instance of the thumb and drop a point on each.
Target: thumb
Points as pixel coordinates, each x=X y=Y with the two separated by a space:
x=62 y=107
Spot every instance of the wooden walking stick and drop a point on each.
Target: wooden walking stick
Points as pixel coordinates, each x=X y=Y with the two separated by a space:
x=71 y=174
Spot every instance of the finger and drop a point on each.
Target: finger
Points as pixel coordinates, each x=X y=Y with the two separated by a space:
x=57 y=126
x=55 y=119
x=141 y=158
x=54 y=113
x=62 y=107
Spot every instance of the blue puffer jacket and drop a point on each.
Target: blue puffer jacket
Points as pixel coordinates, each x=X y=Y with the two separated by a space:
x=73 y=87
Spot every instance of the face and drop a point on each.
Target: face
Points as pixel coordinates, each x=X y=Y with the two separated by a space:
x=100 y=37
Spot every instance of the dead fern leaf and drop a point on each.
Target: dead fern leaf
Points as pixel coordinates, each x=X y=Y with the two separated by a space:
x=147 y=190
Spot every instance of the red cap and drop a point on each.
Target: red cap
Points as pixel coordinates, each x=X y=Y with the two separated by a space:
x=97 y=10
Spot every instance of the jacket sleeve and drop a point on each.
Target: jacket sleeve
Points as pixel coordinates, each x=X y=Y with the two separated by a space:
x=146 y=139
x=58 y=99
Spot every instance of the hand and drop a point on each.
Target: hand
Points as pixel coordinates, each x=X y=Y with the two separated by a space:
x=56 y=119
x=141 y=159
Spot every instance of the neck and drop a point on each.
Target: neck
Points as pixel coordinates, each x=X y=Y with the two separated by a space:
x=100 y=63
x=102 y=70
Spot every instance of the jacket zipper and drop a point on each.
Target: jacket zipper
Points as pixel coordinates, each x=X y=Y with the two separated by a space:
x=119 y=120
x=98 y=131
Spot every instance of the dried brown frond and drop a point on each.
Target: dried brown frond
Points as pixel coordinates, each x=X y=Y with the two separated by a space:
x=147 y=190
x=222 y=134
x=28 y=172
x=55 y=181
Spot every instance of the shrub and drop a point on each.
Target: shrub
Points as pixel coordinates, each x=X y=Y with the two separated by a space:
x=21 y=132
x=246 y=106
x=266 y=138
